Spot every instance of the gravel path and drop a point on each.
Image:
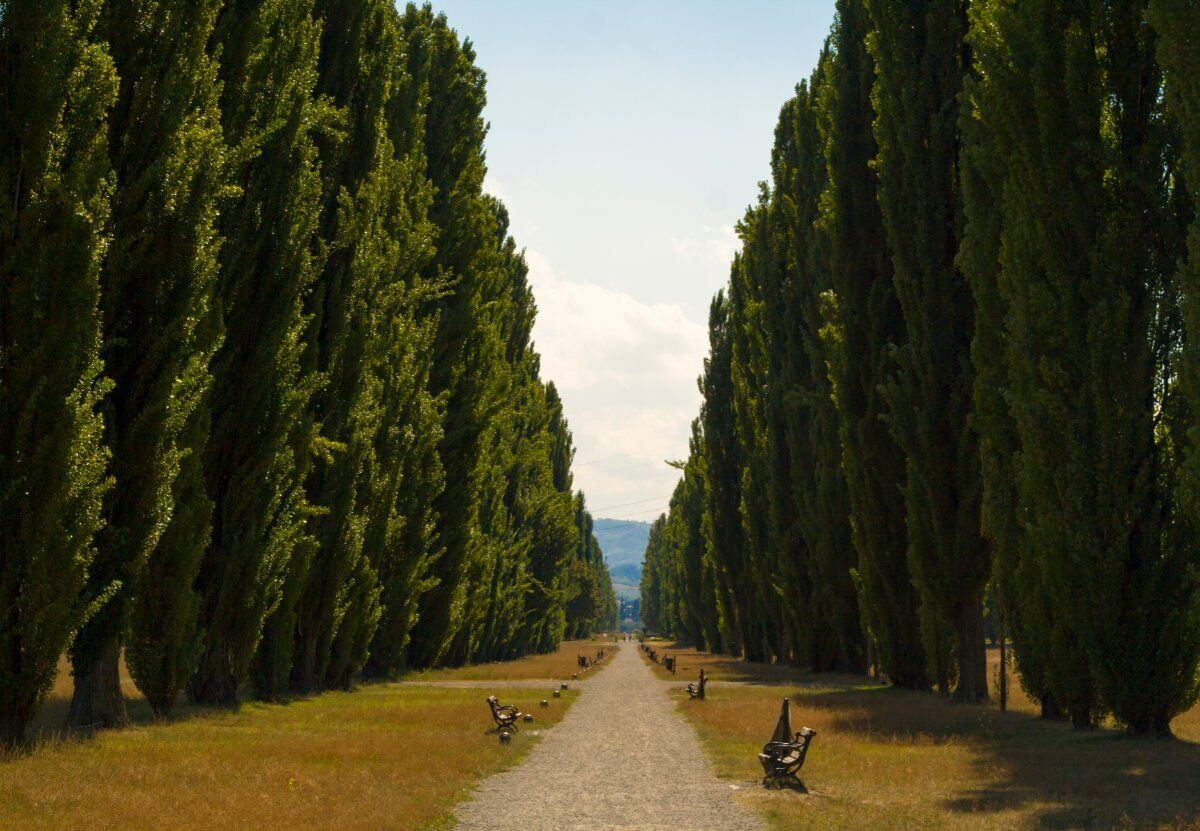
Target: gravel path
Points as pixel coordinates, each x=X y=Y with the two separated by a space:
x=621 y=760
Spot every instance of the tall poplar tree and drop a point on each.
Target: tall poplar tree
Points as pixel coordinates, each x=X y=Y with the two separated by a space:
x=773 y=548
x=723 y=526
x=261 y=434
x=160 y=327
x=1177 y=23
x=821 y=503
x=454 y=132
x=920 y=59
x=864 y=326
x=987 y=123
x=375 y=222
x=1091 y=242
x=57 y=85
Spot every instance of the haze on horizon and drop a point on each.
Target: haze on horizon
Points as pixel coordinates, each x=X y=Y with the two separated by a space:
x=625 y=141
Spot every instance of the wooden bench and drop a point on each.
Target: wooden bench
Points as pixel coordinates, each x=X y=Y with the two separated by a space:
x=696 y=689
x=783 y=754
x=506 y=716
x=583 y=661
x=781 y=761
x=669 y=663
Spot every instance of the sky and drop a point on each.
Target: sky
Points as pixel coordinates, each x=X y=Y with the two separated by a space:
x=627 y=139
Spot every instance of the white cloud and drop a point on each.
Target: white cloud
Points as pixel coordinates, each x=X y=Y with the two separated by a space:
x=714 y=243
x=626 y=371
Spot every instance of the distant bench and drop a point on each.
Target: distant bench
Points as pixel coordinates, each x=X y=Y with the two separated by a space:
x=506 y=716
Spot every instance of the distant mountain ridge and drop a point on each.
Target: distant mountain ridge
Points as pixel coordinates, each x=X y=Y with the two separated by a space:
x=623 y=542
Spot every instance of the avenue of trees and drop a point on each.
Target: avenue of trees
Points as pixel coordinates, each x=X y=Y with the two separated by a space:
x=270 y=412
x=957 y=368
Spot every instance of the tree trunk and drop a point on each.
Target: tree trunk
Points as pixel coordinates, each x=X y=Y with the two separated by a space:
x=213 y=683
x=98 y=700
x=1050 y=709
x=1155 y=727
x=12 y=729
x=304 y=670
x=1002 y=637
x=972 y=653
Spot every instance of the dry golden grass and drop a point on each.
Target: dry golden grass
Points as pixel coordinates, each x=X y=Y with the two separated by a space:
x=53 y=713
x=387 y=756
x=689 y=661
x=889 y=759
x=559 y=666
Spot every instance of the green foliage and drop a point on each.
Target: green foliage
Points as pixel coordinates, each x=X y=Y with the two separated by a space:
x=332 y=448
x=159 y=322
x=1022 y=604
x=818 y=496
x=56 y=87
x=920 y=60
x=864 y=326
x=1089 y=244
x=463 y=358
x=1177 y=24
x=256 y=451
x=772 y=547
x=723 y=523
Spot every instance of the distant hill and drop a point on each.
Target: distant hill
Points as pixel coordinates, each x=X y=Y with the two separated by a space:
x=623 y=542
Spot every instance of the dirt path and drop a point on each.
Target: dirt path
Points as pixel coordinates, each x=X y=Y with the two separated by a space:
x=621 y=760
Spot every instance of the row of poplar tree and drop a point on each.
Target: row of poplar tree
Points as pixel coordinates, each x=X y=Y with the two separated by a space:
x=270 y=414
x=957 y=362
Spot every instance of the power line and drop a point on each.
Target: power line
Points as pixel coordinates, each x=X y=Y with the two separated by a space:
x=619 y=458
x=627 y=504
x=635 y=513
x=629 y=467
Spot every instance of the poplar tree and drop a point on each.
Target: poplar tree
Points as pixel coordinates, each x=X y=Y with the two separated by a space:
x=921 y=58
x=987 y=121
x=774 y=551
x=1177 y=24
x=261 y=435
x=723 y=526
x=820 y=502
x=454 y=132
x=57 y=85
x=585 y=602
x=160 y=327
x=863 y=327
x=1093 y=337
x=401 y=541
x=375 y=222
x=653 y=577
x=698 y=617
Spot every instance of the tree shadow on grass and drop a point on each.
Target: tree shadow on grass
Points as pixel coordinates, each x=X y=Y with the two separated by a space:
x=1066 y=778
x=689 y=661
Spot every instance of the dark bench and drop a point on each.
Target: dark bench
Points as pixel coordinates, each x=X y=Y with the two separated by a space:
x=506 y=716
x=669 y=663
x=696 y=689
x=783 y=755
x=583 y=661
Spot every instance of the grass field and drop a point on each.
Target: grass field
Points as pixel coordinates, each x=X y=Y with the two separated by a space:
x=888 y=759
x=387 y=756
